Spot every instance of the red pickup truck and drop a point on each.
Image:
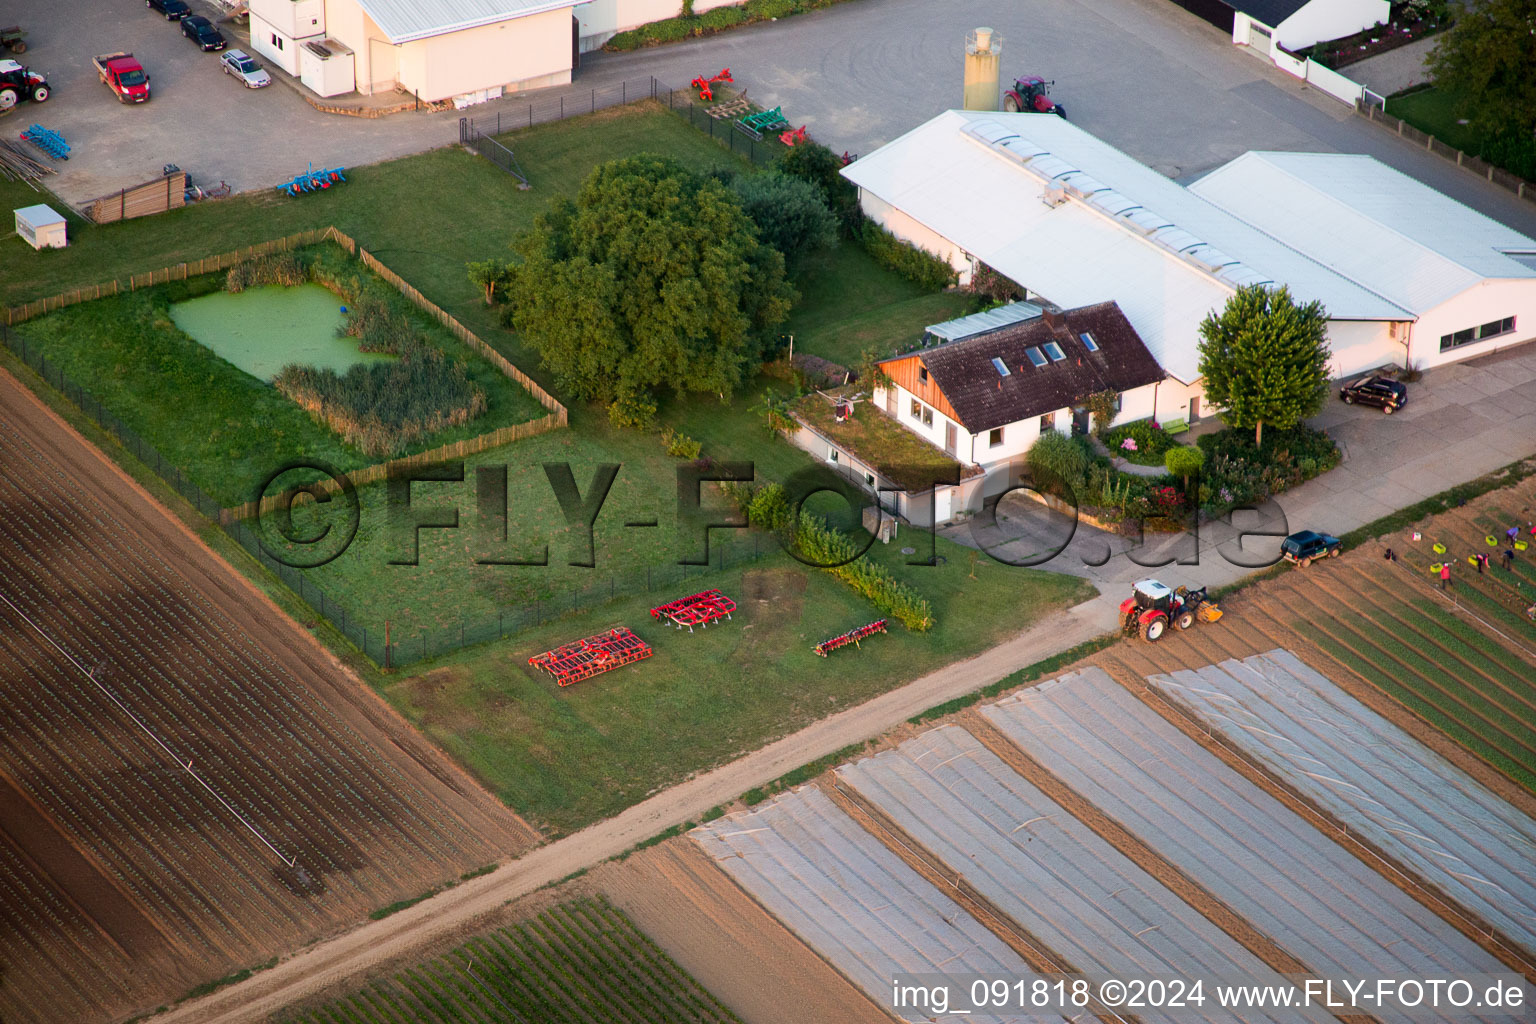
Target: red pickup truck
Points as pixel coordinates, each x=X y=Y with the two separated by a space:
x=123 y=75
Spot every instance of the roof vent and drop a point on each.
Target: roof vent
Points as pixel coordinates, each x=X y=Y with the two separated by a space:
x=1053 y=196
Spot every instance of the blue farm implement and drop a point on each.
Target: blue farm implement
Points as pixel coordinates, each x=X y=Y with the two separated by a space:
x=313 y=180
x=50 y=142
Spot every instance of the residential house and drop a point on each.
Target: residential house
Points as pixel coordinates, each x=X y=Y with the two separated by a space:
x=1291 y=23
x=982 y=402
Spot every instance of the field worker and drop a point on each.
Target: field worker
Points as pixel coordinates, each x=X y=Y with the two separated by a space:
x=1482 y=563
x=1512 y=533
x=1445 y=575
x=1509 y=559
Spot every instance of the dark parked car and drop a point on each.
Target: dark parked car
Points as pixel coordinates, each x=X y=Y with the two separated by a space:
x=201 y=31
x=174 y=10
x=1383 y=392
x=1305 y=547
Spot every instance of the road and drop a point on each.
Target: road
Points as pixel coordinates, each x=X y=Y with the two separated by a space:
x=349 y=956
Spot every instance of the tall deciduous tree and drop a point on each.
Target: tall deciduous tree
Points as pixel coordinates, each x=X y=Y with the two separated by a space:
x=789 y=212
x=1488 y=59
x=651 y=278
x=1265 y=359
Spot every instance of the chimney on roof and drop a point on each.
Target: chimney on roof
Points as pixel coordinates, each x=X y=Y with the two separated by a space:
x=1054 y=319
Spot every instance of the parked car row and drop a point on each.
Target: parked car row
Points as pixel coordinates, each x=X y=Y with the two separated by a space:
x=209 y=39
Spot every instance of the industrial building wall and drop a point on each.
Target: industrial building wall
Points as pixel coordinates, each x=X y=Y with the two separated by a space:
x=275 y=45
x=376 y=57
x=1483 y=303
x=297 y=19
x=904 y=227
x=601 y=20
x=1330 y=19
x=520 y=53
x=1364 y=345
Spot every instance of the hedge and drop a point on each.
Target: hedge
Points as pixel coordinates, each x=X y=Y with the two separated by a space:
x=919 y=266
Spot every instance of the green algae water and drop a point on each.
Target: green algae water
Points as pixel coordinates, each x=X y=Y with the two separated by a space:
x=262 y=330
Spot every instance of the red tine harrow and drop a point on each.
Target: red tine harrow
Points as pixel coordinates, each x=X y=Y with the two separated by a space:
x=853 y=636
x=592 y=656
x=696 y=609
x=703 y=84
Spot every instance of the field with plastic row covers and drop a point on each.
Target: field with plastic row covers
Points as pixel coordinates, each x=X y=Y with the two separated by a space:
x=1374 y=777
x=577 y=963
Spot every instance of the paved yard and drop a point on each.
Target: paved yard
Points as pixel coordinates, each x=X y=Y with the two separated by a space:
x=1145 y=75
x=1394 y=70
x=1461 y=421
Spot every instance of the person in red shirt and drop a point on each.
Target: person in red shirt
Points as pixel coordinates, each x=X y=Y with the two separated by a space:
x=1445 y=575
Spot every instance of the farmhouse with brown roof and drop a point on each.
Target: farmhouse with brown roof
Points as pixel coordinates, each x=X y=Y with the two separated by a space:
x=983 y=401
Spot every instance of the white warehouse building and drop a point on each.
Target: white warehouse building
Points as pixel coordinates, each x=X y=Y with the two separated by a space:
x=1406 y=274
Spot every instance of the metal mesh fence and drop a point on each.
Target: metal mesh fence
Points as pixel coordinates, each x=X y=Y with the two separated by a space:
x=366 y=633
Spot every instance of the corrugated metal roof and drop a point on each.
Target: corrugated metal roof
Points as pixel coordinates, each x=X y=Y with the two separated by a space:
x=983 y=191
x=1369 y=222
x=405 y=20
x=985 y=321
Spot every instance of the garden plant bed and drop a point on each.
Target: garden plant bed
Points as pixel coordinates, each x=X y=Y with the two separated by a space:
x=1379 y=39
x=875 y=439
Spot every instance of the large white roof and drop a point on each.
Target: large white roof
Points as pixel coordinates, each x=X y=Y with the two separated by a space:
x=1370 y=222
x=406 y=20
x=1120 y=231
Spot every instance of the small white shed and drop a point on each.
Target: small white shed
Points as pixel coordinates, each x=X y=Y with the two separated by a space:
x=326 y=67
x=41 y=227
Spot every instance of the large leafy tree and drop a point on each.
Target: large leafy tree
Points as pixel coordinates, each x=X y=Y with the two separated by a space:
x=651 y=278
x=1265 y=359
x=1488 y=59
x=789 y=212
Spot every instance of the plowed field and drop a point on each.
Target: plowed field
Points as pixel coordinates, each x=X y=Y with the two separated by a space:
x=189 y=785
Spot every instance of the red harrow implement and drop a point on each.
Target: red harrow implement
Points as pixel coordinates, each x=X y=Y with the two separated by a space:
x=592 y=656
x=853 y=636
x=696 y=610
x=703 y=84
x=793 y=137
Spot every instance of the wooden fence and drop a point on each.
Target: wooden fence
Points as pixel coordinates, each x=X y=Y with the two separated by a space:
x=179 y=272
x=155 y=196
x=1482 y=168
x=558 y=416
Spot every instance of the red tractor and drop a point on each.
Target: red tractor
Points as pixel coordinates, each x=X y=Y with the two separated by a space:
x=1152 y=606
x=1029 y=96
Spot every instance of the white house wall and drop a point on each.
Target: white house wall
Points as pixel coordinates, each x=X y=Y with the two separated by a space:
x=296 y=19
x=1360 y=345
x=376 y=59
x=276 y=46
x=1480 y=304
x=1330 y=19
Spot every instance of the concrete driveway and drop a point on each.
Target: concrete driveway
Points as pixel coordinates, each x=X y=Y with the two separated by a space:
x=1462 y=421
x=1145 y=75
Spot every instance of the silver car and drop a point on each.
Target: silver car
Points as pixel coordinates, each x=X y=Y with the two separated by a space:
x=244 y=67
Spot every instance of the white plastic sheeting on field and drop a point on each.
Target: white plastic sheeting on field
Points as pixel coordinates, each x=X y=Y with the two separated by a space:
x=1378 y=780
x=1324 y=906
x=851 y=899
x=1050 y=873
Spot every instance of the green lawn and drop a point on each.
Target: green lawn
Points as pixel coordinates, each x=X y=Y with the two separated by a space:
x=1434 y=111
x=568 y=757
x=227 y=430
x=849 y=304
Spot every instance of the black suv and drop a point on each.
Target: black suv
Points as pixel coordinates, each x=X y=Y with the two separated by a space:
x=201 y=31
x=1384 y=392
x=1308 y=545
x=174 y=10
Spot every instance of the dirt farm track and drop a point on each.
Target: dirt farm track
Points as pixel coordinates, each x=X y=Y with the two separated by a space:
x=128 y=651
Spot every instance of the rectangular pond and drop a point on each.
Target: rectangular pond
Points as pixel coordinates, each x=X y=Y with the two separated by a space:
x=262 y=330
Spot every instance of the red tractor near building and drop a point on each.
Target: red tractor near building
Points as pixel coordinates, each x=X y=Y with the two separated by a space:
x=1029 y=95
x=1152 y=606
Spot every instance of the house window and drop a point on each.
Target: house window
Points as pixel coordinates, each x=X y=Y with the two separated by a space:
x=1047 y=422
x=832 y=455
x=1035 y=356
x=1054 y=351
x=277 y=40
x=869 y=478
x=927 y=416
x=1492 y=329
x=1088 y=342
x=917 y=409
x=1000 y=366
x=995 y=438
x=922 y=374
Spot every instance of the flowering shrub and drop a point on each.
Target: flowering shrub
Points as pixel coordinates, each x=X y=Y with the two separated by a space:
x=1129 y=444
x=1144 y=438
x=1238 y=472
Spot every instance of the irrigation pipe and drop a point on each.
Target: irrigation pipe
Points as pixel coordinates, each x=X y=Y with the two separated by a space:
x=184 y=765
